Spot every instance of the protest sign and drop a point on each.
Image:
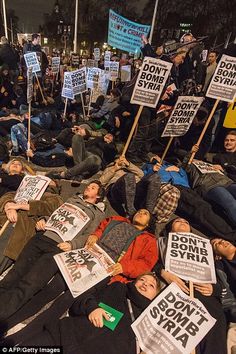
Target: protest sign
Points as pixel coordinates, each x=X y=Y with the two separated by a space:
x=150 y=82
x=114 y=70
x=230 y=117
x=125 y=73
x=182 y=116
x=205 y=167
x=78 y=78
x=190 y=257
x=172 y=324
x=29 y=85
x=67 y=90
x=74 y=60
x=101 y=89
x=96 y=53
x=31 y=188
x=55 y=65
x=31 y=61
x=83 y=268
x=93 y=77
x=67 y=221
x=107 y=55
x=125 y=34
x=223 y=83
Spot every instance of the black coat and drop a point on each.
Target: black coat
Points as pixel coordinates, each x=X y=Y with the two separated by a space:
x=8 y=56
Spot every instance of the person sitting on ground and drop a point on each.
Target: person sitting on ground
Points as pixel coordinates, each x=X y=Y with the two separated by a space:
x=84 y=331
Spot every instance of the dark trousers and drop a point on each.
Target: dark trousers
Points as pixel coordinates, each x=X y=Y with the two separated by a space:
x=201 y=215
x=125 y=191
x=31 y=272
x=85 y=162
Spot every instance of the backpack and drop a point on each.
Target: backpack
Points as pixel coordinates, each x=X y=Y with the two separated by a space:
x=42 y=142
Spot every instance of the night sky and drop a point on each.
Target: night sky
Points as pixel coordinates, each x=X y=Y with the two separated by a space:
x=30 y=12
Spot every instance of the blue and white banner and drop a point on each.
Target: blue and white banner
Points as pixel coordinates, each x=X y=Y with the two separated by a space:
x=125 y=34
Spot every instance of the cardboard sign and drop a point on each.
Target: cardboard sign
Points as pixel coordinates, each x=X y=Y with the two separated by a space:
x=93 y=77
x=32 y=61
x=67 y=221
x=125 y=34
x=114 y=316
x=96 y=53
x=55 y=64
x=223 y=83
x=190 y=257
x=125 y=73
x=30 y=87
x=67 y=89
x=150 y=82
x=31 y=188
x=230 y=117
x=173 y=323
x=83 y=268
x=182 y=116
x=79 y=83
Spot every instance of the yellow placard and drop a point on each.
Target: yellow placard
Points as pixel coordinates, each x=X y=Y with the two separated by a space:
x=230 y=117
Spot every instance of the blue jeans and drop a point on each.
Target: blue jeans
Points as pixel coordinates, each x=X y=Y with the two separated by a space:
x=19 y=137
x=226 y=198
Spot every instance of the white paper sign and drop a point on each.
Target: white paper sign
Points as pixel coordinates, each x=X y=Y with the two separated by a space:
x=79 y=83
x=205 y=167
x=30 y=88
x=55 y=64
x=125 y=73
x=96 y=53
x=190 y=257
x=67 y=221
x=223 y=83
x=67 y=89
x=172 y=324
x=91 y=63
x=102 y=86
x=93 y=77
x=114 y=70
x=182 y=116
x=31 y=188
x=150 y=82
x=31 y=61
x=83 y=268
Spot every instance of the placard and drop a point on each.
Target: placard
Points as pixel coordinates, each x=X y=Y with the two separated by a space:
x=31 y=188
x=67 y=89
x=32 y=61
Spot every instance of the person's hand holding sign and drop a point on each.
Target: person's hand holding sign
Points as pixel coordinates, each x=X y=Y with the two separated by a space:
x=116 y=269
x=65 y=246
x=204 y=289
x=170 y=278
x=96 y=317
x=40 y=225
x=92 y=239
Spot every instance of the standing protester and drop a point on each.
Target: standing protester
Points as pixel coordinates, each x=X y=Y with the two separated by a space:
x=212 y=64
x=34 y=46
x=9 y=56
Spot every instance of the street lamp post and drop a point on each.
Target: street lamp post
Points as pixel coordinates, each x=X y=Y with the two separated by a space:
x=76 y=25
x=5 y=18
x=153 y=22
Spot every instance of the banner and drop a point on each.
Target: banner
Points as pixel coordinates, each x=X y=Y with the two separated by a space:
x=172 y=324
x=182 y=116
x=205 y=167
x=150 y=82
x=190 y=257
x=96 y=53
x=67 y=221
x=32 y=61
x=79 y=83
x=30 y=87
x=125 y=73
x=55 y=65
x=83 y=268
x=67 y=89
x=93 y=77
x=223 y=83
x=125 y=34
x=31 y=188
x=230 y=117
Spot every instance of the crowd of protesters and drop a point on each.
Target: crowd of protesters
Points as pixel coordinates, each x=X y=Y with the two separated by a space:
x=132 y=204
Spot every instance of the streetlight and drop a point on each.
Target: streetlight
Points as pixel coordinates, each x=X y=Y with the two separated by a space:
x=76 y=25
x=5 y=18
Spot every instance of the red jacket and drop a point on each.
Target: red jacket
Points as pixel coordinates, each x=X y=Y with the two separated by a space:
x=141 y=255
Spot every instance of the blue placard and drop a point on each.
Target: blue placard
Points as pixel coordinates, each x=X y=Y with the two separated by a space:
x=125 y=34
